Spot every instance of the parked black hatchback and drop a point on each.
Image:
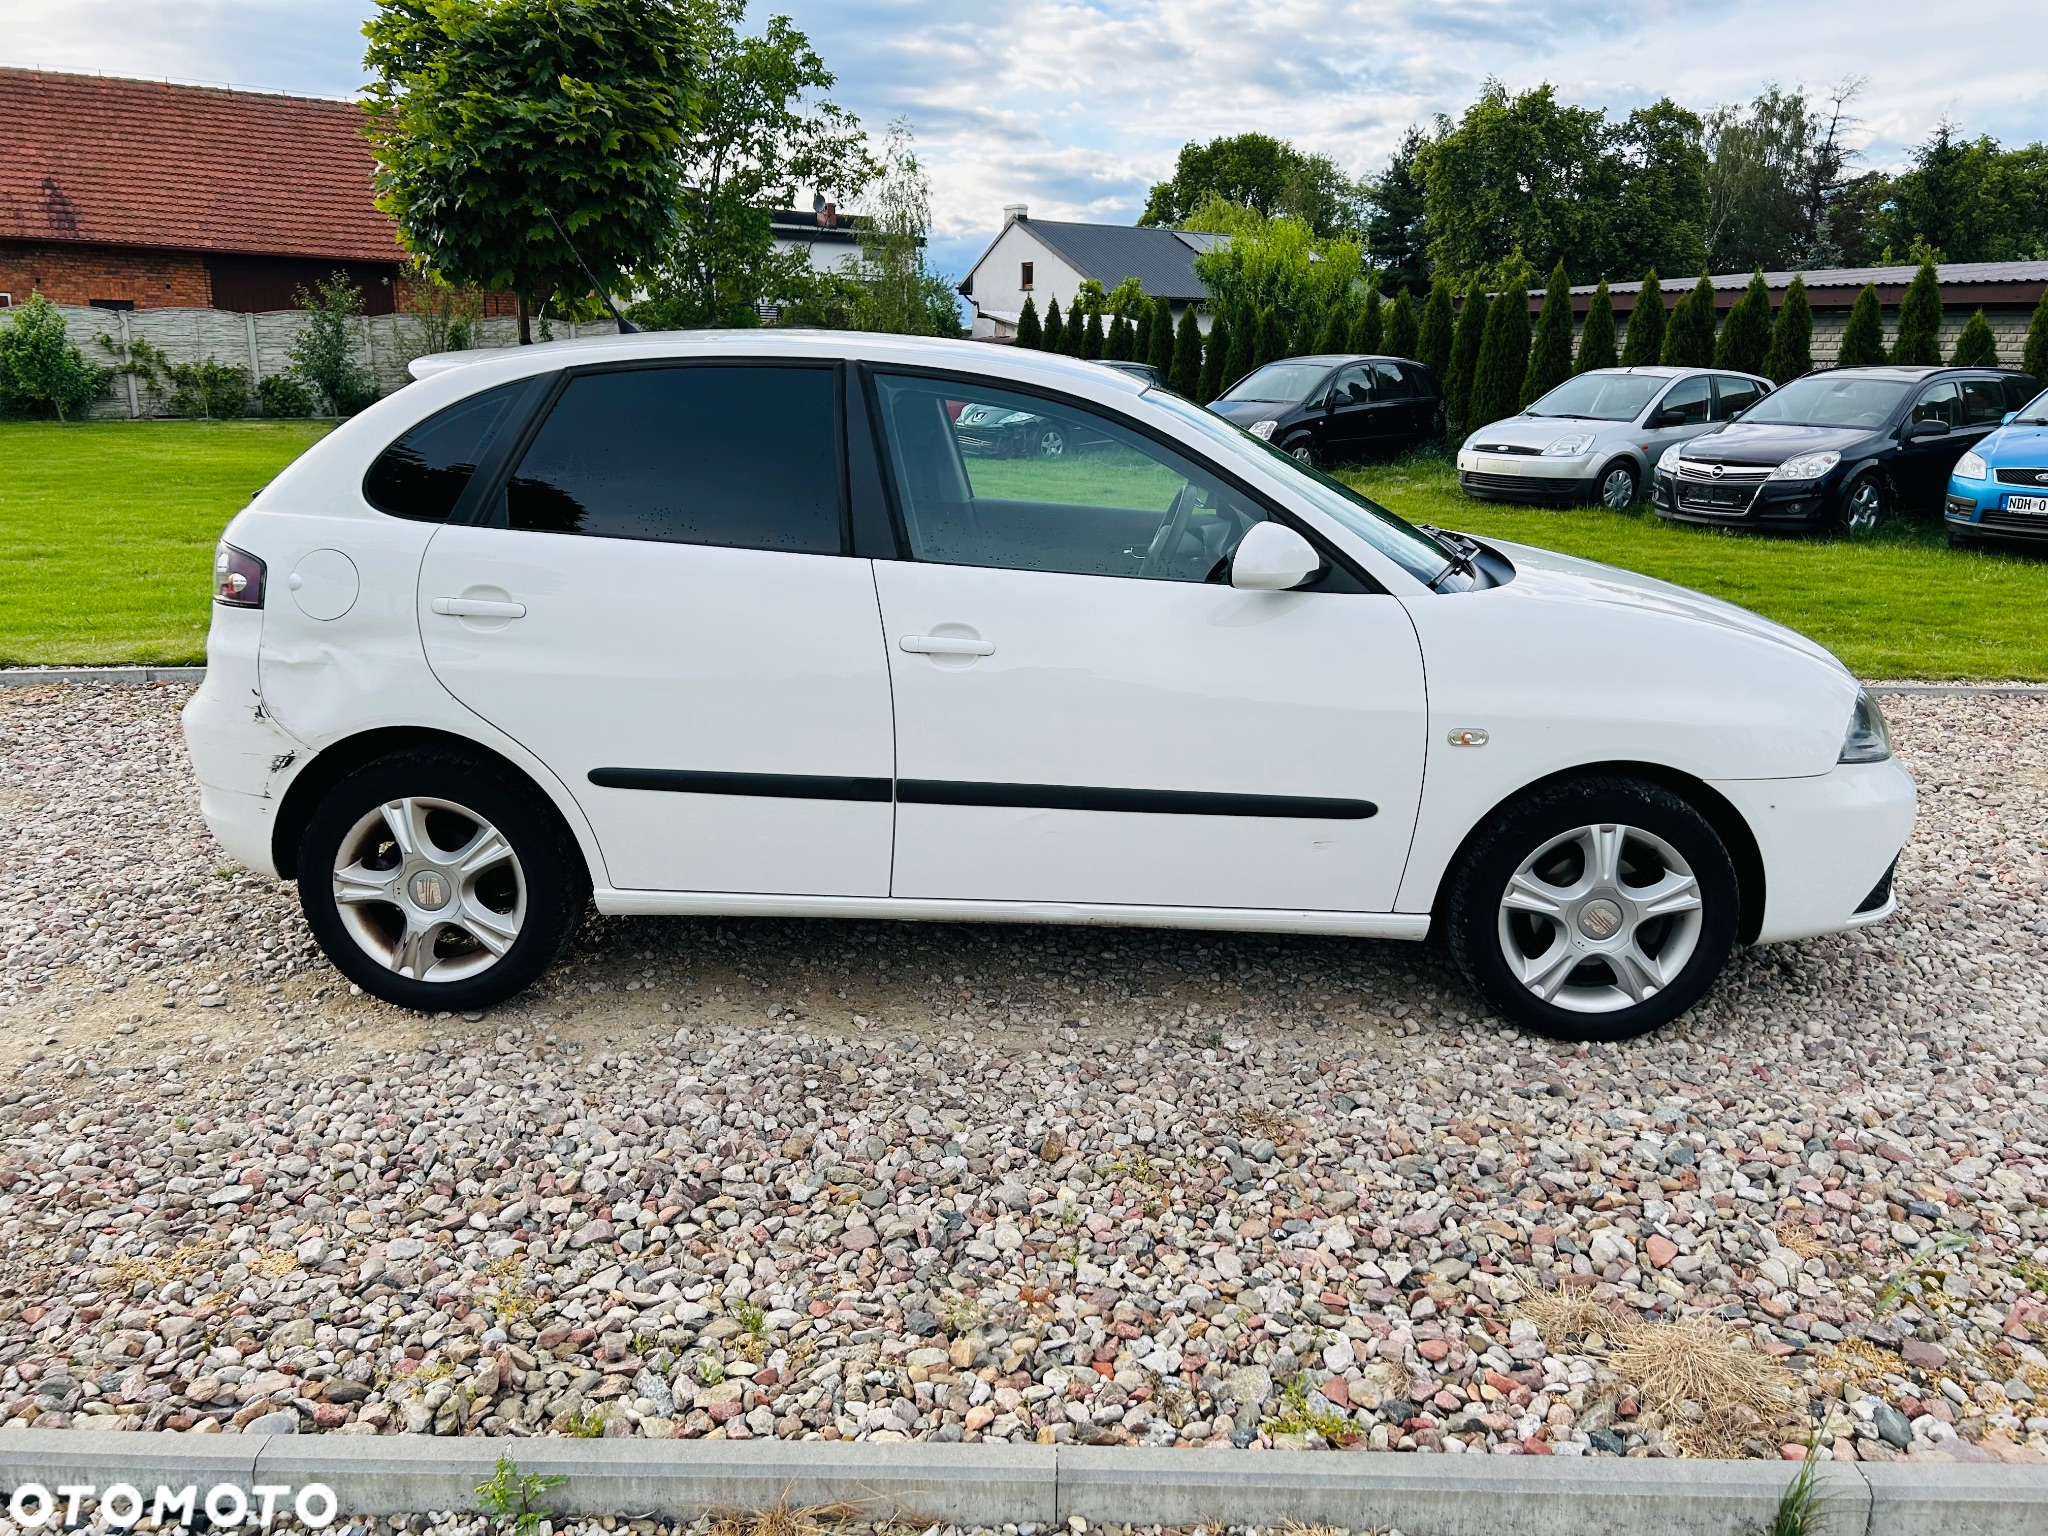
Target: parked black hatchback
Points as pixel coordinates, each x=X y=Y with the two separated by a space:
x=1335 y=409
x=1844 y=450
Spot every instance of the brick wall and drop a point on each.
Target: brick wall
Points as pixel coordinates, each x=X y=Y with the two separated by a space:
x=68 y=274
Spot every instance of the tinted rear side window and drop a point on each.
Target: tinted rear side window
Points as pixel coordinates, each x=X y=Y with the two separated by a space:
x=425 y=472
x=743 y=457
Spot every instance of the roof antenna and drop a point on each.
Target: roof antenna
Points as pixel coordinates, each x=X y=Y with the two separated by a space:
x=626 y=327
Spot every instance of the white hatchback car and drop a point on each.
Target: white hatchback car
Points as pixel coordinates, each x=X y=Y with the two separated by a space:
x=744 y=623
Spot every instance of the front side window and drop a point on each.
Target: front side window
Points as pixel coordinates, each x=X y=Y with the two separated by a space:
x=989 y=477
x=732 y=455
x=1689 y=403
x=1353 y=386
x=424 y=473
x=1733 y=395
x=1983 y=402
x=1940 y=402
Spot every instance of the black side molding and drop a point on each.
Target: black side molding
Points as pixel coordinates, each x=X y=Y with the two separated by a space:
x=779 y=786
x=1163 y=802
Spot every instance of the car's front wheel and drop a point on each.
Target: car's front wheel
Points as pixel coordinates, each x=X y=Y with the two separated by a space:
x=439 y=881
x=1593 y=910
x=1302 y=451
x=1616 y=487
x=1865 y=506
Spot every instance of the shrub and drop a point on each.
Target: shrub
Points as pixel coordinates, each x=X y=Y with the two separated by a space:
x=1336 y=332
x=1863 y=336
x=2034 y=356
x=1121 y=346
x=213 y=389
x=1215 y=358
x=1550 y=353
x=1689 y=339
x=1053 y=337
x=1091 y=337
x=324 y=352
x=1243 y=355
x=1746 y=333
x=1791 y=350
x=1401 y=326
x=1596 y=338
x=1976 y=347
x=1028 y=333
x=1919 y=338
x=283 y=394
x=1366 y=330
x=1466 y=337
x=1503 y=354
x=1433 y=341
x=1188 y=372
x=1645 y=342
x=1270 y=344
x=1161 y=353
x=41 y=368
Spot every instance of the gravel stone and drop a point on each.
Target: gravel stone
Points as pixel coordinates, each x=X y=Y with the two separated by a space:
x=884 y=1181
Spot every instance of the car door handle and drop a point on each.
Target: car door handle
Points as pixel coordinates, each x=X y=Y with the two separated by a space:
x=478 y=608
x=946 y=645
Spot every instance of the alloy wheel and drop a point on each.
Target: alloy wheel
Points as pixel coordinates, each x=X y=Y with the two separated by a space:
x=1600 y=918
x=429 y=889
x=1866 y=507
x=1302 y=453
x=1052 y=443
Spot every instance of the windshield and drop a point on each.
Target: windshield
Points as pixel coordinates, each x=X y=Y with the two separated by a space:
x=1826 y=400
x=2035 y=412
x=1400 y=541
x=1600 y=397
x=1281 y=383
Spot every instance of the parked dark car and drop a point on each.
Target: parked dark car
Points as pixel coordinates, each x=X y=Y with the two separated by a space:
x=1847 y=449
x=1331 y=410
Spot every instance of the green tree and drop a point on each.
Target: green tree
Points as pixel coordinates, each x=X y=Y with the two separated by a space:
x=1243 y=355
x=899 y=293
x=492 y=124
x=1466 y=338
x=1976 y=347
x=1217 y=352
x=763 y=132
x=1689 y=340
x=1254 y=170
x=1029 y=335
x=1270 y=341
x=1163 y=350
x=1091 y=338
x=1919 y=338
x=1745 y=338
x=1645 y=342
x=1970 y=199
x=1791 y=353
x=1433 y=341
x=1397 y=217
x=1280 y=264
x=328 y=350
x=41 y=368
x=1596 y=336
x=1336 y=331
x=1053 y=336
x=1776 y=176
x=1117 y=347
x=1503 y=354
x=1401 y=327
x=1862 y=344
x=1185 y=377
x=1550 y=352
x=1368 y=329
x=2034 y=356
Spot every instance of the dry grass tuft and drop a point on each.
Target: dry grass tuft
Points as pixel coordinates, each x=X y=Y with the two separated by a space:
x=1569 y=1317
x=784 y=1521
x=1700 y=1361
x=1801 y=1239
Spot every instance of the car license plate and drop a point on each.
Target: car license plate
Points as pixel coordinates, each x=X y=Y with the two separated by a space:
x=2038 y=505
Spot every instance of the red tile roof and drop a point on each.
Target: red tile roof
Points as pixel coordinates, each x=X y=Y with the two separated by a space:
x=190 y=168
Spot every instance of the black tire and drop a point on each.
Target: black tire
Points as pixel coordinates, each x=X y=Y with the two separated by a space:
x=1303 y=450
x=546 y=867
x=1868 y=485
x=1473 y=904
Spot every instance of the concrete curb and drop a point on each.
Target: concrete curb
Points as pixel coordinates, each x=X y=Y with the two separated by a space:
x=33 y=677
x=1047 y=1485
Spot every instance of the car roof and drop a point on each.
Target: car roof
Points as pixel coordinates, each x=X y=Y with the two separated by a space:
x=1909 y=372
x=1336 y=359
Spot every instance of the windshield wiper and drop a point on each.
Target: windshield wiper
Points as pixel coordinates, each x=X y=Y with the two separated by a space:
x=1460 y=549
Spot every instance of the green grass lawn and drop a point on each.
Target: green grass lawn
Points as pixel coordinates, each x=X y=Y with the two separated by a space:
x=1896 y=604
x=107 y=532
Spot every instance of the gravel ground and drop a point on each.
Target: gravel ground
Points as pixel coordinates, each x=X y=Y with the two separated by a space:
x=893 y=1181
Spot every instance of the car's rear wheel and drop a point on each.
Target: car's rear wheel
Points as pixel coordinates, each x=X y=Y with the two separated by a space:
x=1865 y=506
x=1616 y=487
x=1593 y=910
x=1052 y=443
x=440 y=882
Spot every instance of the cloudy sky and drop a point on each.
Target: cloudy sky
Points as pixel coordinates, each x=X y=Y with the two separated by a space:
x=1076 y=106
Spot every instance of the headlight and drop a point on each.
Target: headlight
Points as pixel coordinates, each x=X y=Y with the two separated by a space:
x=1262 y=430
x=1971 y=466
x=1668 y=464
x=1868 y=740
x=1569 y=447
x=1808 y=466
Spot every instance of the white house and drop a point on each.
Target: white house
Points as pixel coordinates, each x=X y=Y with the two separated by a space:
x=1049 y=260
x=826 y=236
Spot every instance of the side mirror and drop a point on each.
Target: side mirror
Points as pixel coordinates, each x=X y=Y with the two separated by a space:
x=1670 y=416
x=1273 y=558
x=2006 y=419
x=1919 y=429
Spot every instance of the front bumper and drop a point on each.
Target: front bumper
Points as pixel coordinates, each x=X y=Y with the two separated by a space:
x=1791 y=506
x=1524 y=477
x=1977 y=512
x=1827 y=844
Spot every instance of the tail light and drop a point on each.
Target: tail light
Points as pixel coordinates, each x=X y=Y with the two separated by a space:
x=237 y=577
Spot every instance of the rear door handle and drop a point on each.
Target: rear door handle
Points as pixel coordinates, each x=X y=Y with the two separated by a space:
x=478 y=608
x=946 y=645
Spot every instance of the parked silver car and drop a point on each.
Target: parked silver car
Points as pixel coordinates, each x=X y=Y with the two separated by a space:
x=1596 y=437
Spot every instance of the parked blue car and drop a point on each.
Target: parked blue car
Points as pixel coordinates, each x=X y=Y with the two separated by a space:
x=1998 y=491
